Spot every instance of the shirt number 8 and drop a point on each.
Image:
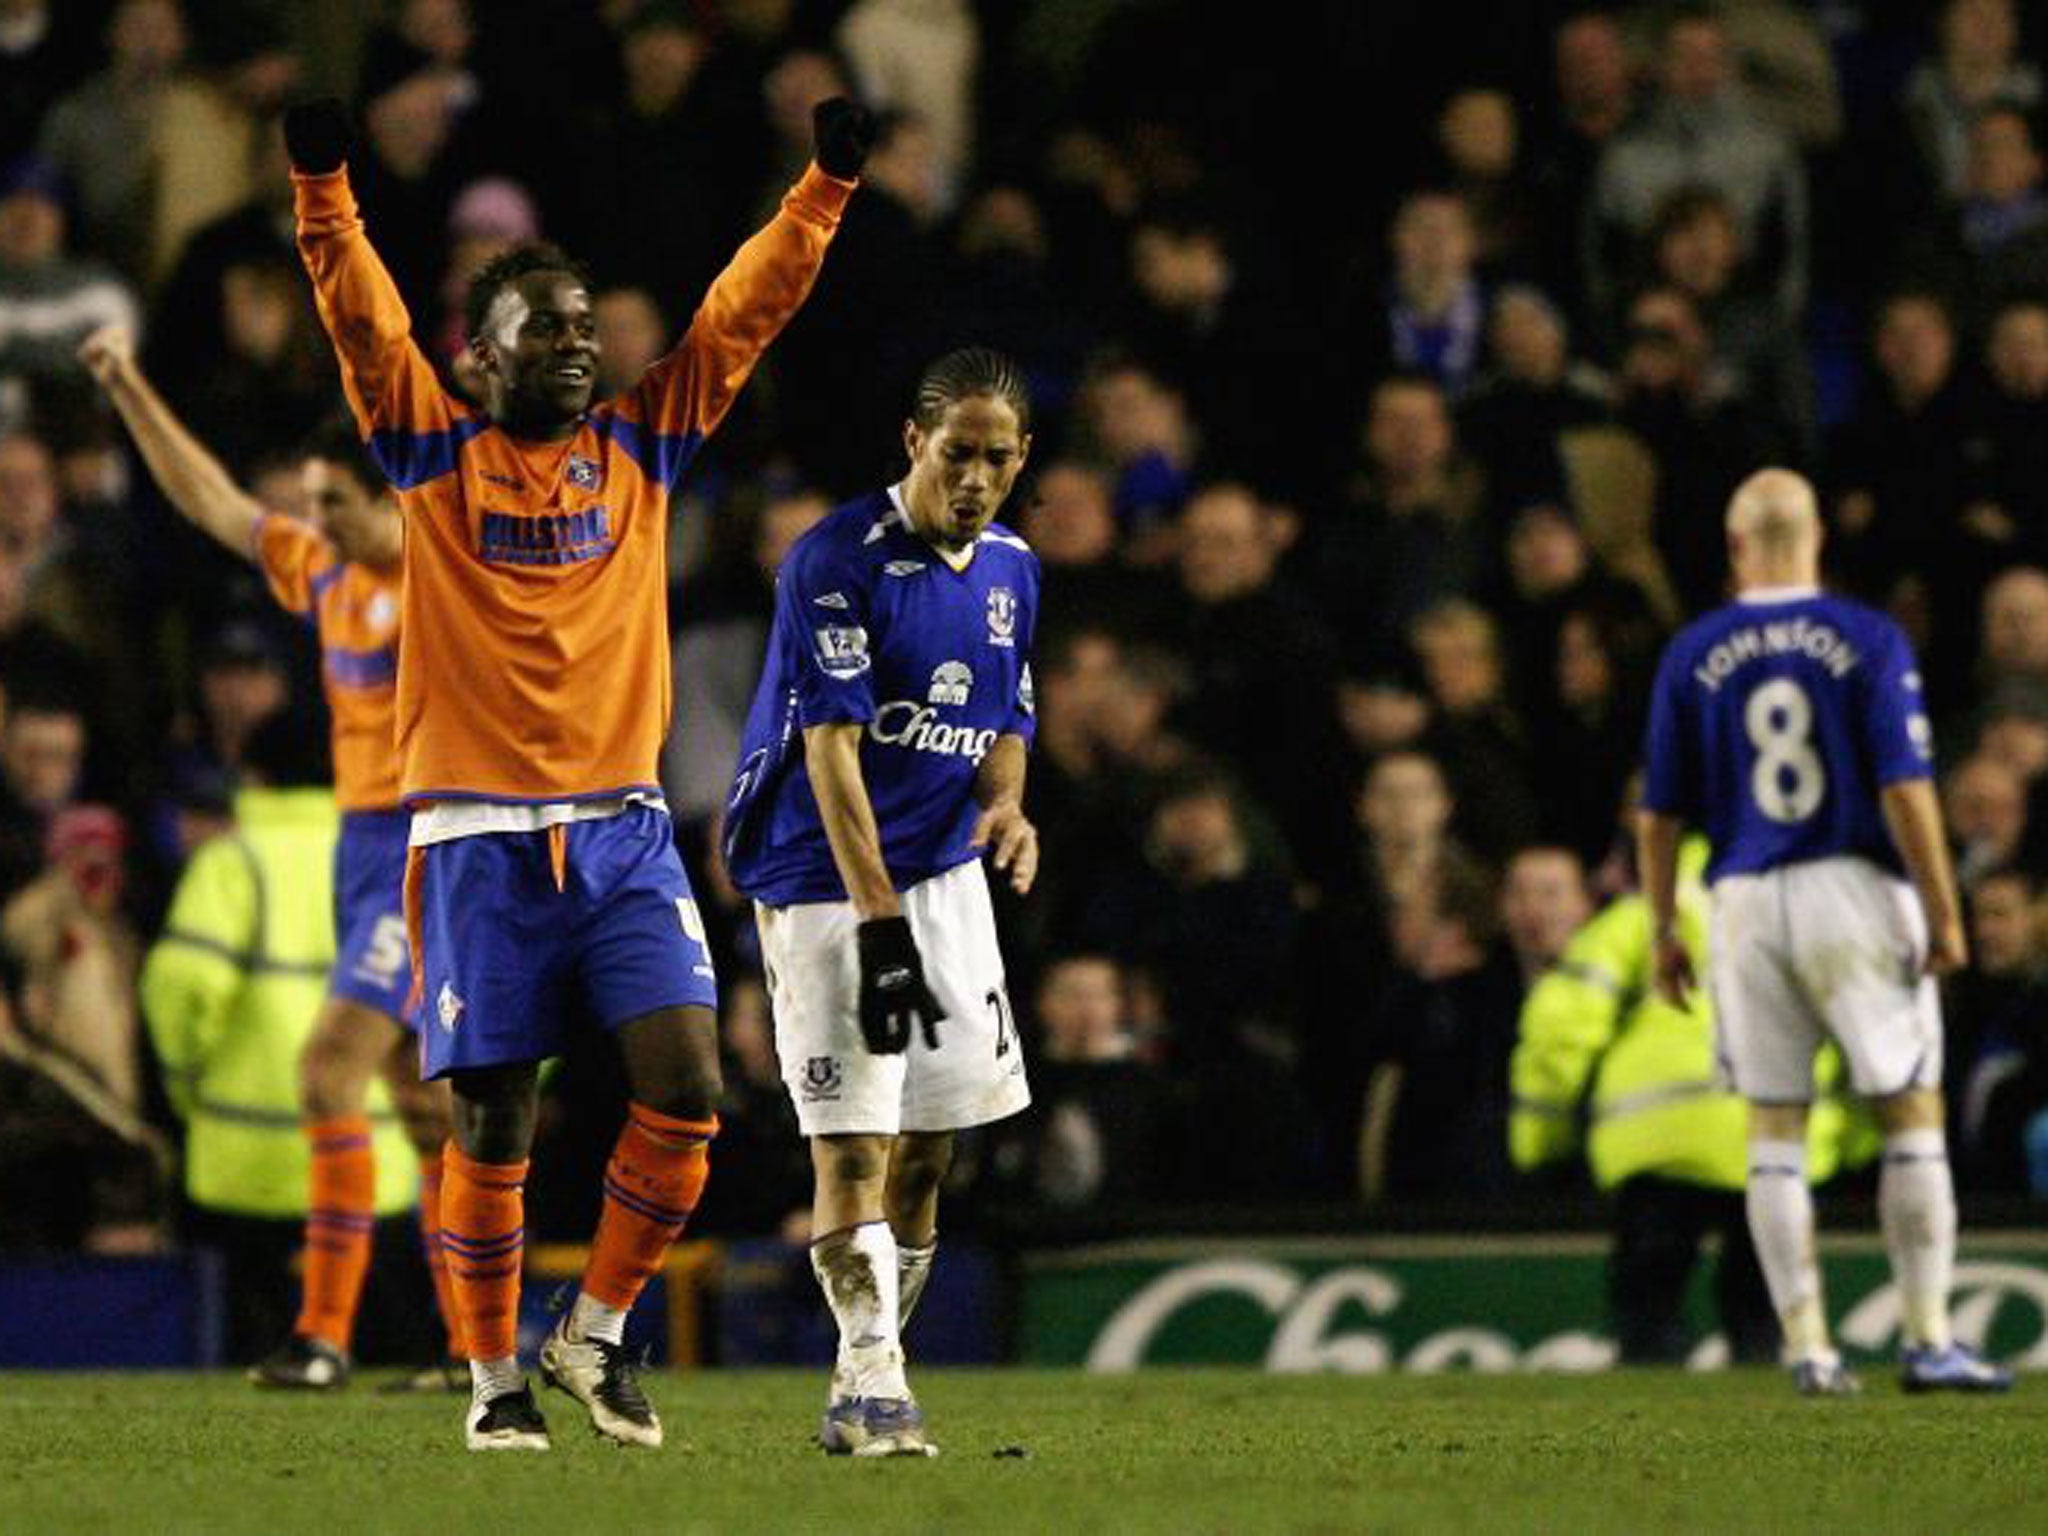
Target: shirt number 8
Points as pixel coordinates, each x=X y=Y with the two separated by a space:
x=1788 y=781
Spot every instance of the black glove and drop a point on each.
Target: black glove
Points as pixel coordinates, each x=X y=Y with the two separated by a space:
x=317 y=135
x=844 y=132
x=893 y=995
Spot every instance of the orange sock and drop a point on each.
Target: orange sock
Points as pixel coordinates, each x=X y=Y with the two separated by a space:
x=651 y=1185
x=430 y=1241
x=483 y=1210
x=339 y=1222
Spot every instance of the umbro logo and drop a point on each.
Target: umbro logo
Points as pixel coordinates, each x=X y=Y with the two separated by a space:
x=449 y=1007
x=831 y=600
x=902 y=567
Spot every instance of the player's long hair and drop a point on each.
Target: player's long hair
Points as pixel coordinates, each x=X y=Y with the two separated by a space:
x=967 y=374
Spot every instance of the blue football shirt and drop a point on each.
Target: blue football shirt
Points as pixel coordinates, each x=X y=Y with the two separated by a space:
x=874 y=628
x=1775 y=722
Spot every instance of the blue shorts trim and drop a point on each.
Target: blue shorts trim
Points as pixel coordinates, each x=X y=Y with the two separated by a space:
x=372 y=963
x=506 y=955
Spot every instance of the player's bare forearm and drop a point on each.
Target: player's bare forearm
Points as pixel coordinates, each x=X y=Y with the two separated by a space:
x=1002 y=827
x=1913 y=814
x=1000 y=777
x=1657 y=837
x=196 y=483
x=832 y=760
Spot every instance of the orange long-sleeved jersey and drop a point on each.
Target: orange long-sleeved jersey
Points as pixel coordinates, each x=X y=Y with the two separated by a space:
x=536 y=663
x=355 y=610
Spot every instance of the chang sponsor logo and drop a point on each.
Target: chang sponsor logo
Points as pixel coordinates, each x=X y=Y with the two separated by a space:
x=952 y=682
x=917 y=727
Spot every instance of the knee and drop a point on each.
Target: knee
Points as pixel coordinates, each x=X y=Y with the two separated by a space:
x=848 y=1162
x=915 y=1177
x=493 y=1117
x=423 y=1110
x=330 y=1082
x=1917 y=1109
x=672 y=1065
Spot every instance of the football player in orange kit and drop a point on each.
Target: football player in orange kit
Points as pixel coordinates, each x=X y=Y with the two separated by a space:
x=339 y=572
x=533 y=695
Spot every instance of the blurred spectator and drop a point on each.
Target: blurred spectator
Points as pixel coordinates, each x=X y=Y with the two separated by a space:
x=242 y=682
x=1977 y=67
x=1533 y=392
x=405 y=172
x=1591 y=734
x=271 y=381
x=66 y=936
x=1992 y=245
x=1411 y=535
x=919 y=57
x=1997 y=1037
x=651 y=134
x=1382 y=706
x=1097 y=1133
x=1195 y=319
x=42 y=762
x=632 y=333
x=1701 y=127
x=1434 y=322
x=2014 y=647
x=1441 y=1032
x=1207 y=923
x=1543 y=902
x=1986 y=802
x=1261 y=669
x=1595 y=99
x=1475 y=732
x=1899 y=463
x=215 y=118
x=718 y=651
x=1704 y=438
x=102 y=138
x=45 y=49
x=1138 y=423
x=1696 y=248
x=49 y=301
x=1481 y=142
x=2006 y=448
x=1070 y=524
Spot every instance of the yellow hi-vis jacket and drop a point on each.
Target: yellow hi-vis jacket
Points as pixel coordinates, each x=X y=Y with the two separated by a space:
x=1602 y=1059
x=231 y=991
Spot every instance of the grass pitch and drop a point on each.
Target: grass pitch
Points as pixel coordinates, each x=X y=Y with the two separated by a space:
x=1193 y=1451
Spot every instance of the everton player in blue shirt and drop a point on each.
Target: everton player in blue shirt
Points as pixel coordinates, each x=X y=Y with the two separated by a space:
x=884 y=754
x=1790 y=726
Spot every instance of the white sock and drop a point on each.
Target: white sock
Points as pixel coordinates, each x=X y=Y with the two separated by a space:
x=590 y=1318
x=494 y=1378
x=1916 y=1205
x=1781 y=1224
x=856 y=1269
x=913 y=1268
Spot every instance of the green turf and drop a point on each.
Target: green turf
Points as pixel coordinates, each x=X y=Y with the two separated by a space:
x=1165 y=1451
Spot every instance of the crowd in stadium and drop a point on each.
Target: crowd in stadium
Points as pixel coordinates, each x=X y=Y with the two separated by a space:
x=1378 y=449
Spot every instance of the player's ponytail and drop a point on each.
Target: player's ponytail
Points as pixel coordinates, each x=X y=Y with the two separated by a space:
x=968 y=374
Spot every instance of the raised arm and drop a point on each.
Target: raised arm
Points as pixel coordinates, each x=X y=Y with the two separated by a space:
x=391 y=387
x=197 y=483
x=686 y=394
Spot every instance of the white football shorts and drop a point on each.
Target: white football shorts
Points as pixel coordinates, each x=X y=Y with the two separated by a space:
x=1834 y=947
x=976 y=1073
